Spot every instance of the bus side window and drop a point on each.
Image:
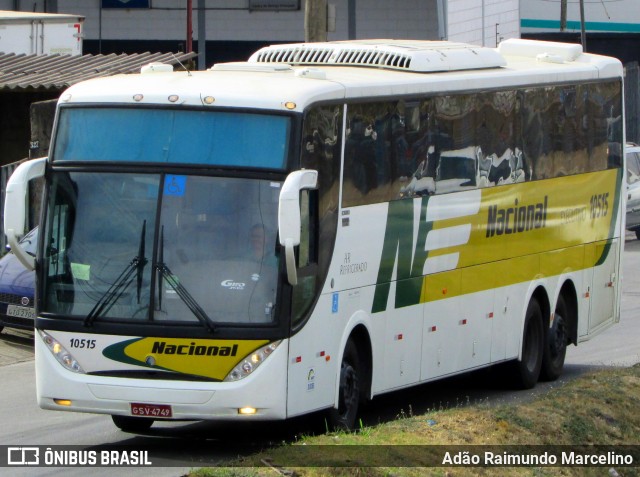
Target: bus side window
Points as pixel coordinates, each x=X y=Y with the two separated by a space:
x=58 y=298
x=321 y=150
x=56 y=249
x=305 y=291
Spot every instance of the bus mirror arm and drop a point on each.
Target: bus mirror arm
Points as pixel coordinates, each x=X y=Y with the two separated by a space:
x=290 y=258
x=25 y=259
x=289 y=220
x=15 y=206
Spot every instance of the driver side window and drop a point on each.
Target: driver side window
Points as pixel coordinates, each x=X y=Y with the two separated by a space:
x=305 y=291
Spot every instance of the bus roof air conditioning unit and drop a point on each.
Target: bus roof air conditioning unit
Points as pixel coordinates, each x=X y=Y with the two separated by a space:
x=414 y=56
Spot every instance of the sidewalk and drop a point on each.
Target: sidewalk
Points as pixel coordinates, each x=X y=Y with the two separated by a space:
x=15 y=346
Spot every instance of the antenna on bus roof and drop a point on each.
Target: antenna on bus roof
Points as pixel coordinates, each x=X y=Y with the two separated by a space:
x=181 y=64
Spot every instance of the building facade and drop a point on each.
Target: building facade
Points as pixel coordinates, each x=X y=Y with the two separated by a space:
x=234 y=28
x=612 y=27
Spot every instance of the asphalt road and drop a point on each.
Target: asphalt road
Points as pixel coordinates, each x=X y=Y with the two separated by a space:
x=193 y=445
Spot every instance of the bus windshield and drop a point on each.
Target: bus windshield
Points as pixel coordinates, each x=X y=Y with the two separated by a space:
x=235 y=139
x=208 y=255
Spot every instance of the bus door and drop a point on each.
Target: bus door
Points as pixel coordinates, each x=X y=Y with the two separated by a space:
x=603 y=289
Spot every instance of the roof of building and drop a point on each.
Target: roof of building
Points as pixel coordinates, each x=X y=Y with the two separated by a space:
x=57 y=72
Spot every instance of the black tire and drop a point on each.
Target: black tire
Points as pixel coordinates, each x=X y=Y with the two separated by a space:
x=555 y=348
x=132 y=424
x=526 y=371
x=637 y=231
x=344 y=418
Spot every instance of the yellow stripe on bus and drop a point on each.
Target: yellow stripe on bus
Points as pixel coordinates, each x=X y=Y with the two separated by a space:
x=512 y=271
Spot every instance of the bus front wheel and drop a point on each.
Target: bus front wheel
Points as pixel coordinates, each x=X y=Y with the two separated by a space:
x=132 y=424
x=344 y=417
x=527 y=371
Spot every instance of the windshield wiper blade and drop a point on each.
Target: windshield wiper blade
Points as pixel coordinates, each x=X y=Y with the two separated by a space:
x=186 y=297
x=182 y=292
x=117 y=288
x=142 y=261
x=113 y=294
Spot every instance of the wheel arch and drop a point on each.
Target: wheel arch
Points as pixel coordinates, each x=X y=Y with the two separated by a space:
x=360 y=334
x=570 y=296
x=542 y=297
x=540 y=294
x=362 y=340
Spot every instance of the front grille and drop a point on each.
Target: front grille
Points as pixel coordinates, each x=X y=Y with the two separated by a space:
x=164 y=375
x=12 y=299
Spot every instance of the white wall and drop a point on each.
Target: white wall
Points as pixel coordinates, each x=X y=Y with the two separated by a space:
x=159 y=24
x=24 y=5
x=375 y=18
x=231 y=21
x=619 y=16
x=413 y=19
x=465 y=21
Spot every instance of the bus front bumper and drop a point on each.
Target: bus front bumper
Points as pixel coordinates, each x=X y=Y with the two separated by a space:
x=263 y=391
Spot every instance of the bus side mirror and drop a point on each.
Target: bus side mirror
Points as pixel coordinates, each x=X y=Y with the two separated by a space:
x=15 y=206
x=289 y=220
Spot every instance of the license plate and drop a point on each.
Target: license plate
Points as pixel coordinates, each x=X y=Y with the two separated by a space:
x=151 y=410
x=21 y=312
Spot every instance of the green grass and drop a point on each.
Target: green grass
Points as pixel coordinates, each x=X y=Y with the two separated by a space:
x=599 y=408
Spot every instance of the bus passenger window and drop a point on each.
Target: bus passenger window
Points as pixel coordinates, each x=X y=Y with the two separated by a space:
x=304 y=292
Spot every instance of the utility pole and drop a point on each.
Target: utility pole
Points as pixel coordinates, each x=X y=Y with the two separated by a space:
x=583 y=32
x=315 y=20
x=202 y=36
x=189 y=46
x=351 y=26
x=563 y=15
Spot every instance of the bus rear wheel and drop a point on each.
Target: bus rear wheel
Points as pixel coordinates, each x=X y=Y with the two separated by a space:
x=527 y=371
x=556 y=344
x=344 y=417
x=132 y=424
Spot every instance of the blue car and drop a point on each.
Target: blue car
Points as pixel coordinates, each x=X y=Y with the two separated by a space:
x=17 y=288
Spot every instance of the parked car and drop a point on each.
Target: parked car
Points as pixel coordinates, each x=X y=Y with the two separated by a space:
x=17 y=288
x=632 y=154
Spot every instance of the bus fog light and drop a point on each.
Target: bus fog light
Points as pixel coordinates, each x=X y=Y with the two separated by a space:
x=65 y=358
x=251 y=362
x=247 y=411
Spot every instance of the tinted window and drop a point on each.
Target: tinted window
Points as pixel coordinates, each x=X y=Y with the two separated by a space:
x=172 y=136
x=449 y=143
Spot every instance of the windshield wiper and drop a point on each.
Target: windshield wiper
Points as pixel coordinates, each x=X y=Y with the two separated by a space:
x=142 y=261
x=117 y=288
x=182 y=292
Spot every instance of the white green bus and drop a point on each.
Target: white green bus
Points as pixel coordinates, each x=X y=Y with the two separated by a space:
x=322 y=224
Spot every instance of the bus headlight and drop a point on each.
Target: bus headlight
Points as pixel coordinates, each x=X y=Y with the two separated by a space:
x=248 y=365
x=65 y=358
